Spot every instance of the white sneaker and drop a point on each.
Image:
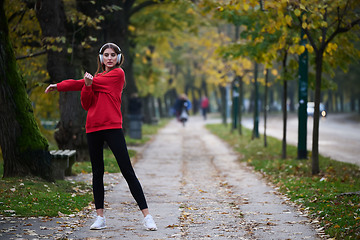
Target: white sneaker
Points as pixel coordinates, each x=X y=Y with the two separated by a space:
x=149 y=223
x=99 y=223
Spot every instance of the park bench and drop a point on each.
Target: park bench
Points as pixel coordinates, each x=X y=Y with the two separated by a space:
x=62 y=162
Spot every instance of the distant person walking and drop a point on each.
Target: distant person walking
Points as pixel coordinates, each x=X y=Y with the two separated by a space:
x=101 y=98
x=182 y=107
x=204 y=106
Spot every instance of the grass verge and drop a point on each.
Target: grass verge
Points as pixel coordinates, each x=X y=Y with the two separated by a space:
x=321 y=195
x=33 y=196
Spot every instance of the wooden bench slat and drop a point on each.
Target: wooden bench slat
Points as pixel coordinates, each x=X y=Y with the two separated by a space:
x=72 y=152
x=62 y=161
x=65 y=152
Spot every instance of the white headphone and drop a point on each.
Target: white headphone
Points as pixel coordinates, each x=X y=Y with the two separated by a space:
x=101 y=55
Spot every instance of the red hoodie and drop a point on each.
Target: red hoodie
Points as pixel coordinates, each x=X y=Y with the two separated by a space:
x=102 y=99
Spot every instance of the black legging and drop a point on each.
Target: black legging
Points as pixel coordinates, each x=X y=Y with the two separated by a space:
x=116 y=141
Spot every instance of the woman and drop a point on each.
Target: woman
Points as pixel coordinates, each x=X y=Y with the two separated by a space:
x=101 y=97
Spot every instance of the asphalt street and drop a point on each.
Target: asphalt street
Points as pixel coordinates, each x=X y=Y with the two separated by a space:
x=339 y=134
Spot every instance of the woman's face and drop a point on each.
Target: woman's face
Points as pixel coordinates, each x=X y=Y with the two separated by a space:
x=110 y=58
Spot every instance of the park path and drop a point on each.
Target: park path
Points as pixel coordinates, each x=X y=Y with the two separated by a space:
x=197 y=189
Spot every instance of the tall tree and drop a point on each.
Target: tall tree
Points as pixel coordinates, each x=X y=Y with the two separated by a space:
x=327 y=25
x=323 y=22
x=25 y=150
x=52 y=19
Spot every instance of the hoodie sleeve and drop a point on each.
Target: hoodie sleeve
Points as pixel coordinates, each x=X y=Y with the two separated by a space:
x=87 y=97
x=70 y=85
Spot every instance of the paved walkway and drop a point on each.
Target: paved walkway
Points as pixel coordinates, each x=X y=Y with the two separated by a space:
x=196 y=189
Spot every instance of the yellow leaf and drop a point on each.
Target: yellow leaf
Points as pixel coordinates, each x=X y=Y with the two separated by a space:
x=131 y=28
x=288 y=19
x=190 y=11
x=297 y=12
x=304 y=17
x=246 y=7
x=274 y=72
x=309 y=48
x=301 y=49
x=304 y=25
x=324 y=24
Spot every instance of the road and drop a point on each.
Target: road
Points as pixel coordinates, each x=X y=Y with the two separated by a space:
x=339 y=136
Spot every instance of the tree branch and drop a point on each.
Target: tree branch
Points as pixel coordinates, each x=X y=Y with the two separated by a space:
x=31 y=55
x=342 y=30
x=143 y=5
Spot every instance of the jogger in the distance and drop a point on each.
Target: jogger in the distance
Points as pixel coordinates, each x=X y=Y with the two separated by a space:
x=101 y=98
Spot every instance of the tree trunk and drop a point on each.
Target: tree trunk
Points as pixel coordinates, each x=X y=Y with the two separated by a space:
x=71 y=132
x=161 y=108
x=291 y=96
x=255 y=132
x=284 y=108
x=330 y=105
x=352 y=102
x=342 y=109
x=241 y=103
x=223 y=107
x=147 y=109
x=315 y=139
x=153 y=109
x=24 y=149
x=204 y=89
x=265 y=105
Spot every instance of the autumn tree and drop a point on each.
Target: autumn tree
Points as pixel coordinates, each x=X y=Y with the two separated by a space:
x=52 y=19
x=154 y=29
x=24 y=149
x=260 y=40
x=327 y=25
x=330 y=29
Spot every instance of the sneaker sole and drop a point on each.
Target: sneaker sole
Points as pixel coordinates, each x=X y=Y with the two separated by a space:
x=151 y=229
x=99 y=228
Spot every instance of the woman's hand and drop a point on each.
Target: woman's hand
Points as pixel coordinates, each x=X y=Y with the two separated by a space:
x=50 y=88
x=88 y=79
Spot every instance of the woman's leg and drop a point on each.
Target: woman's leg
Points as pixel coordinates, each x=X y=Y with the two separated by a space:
x=116 y=141
x=96 y=144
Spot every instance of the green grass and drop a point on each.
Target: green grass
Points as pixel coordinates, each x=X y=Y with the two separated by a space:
x=319 y=195
x=35 y=197
x=31 y=196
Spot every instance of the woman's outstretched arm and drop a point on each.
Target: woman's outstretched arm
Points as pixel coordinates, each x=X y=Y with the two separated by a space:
x=66 y=86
